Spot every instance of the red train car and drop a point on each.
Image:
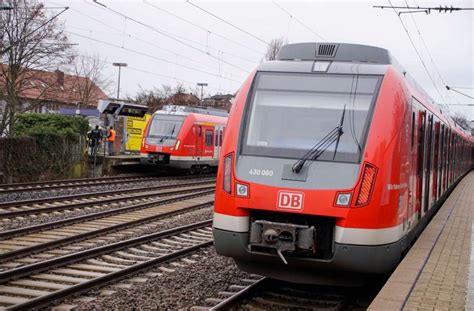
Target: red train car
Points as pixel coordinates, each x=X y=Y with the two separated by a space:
x=188 y=138
x=333 y=163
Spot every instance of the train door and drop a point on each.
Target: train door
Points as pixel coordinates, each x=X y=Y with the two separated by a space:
x=412 y=169
x=209 y=141
x=427 y=167
x=199 y=140
x=441 y=161
x=419 y=161
x=434 y=191
x=217 y=141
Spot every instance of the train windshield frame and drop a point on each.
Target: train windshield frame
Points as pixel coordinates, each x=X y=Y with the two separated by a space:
x=287 y=113
x=165 y=126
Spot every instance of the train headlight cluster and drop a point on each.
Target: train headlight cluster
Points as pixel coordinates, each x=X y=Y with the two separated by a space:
x=242 y=190
x=343 y=199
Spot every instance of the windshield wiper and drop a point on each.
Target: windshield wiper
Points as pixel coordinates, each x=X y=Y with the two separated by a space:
x=169 y=135
x=317 y=150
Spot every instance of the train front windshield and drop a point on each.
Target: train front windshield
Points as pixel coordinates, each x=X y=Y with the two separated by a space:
x=164 y=127
x=290 y=112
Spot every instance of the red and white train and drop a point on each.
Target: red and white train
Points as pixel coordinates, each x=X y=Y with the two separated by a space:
x=181 y=137
x=333 y=162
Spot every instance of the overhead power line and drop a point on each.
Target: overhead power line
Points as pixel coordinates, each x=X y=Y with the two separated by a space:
x=228 y=23
x=202 y=28
x=427 y=10
x=8 y=48
x=151 y=56
x=119 y=31
x=148 y=72
x=426 y=48
x=454 y=90
x=417 y=52
x=298 y=21
x=168 y=36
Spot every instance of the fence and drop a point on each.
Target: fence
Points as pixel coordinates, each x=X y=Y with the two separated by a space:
x=43 y=157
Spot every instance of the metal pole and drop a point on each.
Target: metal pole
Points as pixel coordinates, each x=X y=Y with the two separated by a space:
x=118 y=88
x=124 y=131
x=202 y=85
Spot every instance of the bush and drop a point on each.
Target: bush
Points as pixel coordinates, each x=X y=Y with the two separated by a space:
x=44 y=146
x=33 y=124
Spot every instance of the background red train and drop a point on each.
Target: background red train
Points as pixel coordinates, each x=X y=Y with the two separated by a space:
x=186 y=138
x=333 y=162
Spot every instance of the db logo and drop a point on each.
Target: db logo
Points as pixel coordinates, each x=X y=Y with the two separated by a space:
x=290 y=200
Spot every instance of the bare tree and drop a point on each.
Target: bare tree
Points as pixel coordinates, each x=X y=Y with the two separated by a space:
x=461 y=119
x=31 y=40
x=274 y=48
x=88 y=78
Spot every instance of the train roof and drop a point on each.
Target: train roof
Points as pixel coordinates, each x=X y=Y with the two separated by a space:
x=195 y=114
x=345 y=52
x=184 y=110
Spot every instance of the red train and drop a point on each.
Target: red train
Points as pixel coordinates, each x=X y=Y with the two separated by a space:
x=333 y=163
x=188 y=138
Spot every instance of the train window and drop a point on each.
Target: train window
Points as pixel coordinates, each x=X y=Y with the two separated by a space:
x=165 y=126
x=209 y=137
x=313 y=105
x=412 y=129
x=216 y=138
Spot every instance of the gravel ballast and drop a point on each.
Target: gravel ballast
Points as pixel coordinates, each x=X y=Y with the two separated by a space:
x=185 y=287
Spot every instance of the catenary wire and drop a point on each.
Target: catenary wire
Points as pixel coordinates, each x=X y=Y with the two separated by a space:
x=417 y=52
x=172 y=37
x=151 y=56
x=202 y=28
x=298 y=21
x=228 y=23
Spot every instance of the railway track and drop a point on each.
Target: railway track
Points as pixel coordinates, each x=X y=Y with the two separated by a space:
x=69 y=235
x=42 y=283
x=70 y=202
x=260 y=293
x=86 y=182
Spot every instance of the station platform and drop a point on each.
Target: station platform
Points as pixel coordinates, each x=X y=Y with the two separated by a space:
x=116 y=164
x=438 y=271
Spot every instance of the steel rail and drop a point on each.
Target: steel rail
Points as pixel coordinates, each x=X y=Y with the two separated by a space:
x=110 y=212
x=70 y=180
x=39 y=210
x=22 y=271
x=240 y=296
x=187 y=194
x=90 y=184
x=91 y=234
x=117 y=275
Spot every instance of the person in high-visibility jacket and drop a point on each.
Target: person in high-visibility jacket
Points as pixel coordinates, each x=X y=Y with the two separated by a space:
x=110 y=140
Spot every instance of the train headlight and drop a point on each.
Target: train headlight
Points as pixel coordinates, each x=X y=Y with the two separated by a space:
x=242 y=190
x=176 y=146
x=343 y=199
x=227 y=182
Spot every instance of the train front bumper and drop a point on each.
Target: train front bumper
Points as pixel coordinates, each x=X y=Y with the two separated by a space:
x=347 y=258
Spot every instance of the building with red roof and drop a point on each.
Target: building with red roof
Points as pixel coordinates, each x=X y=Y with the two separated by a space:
x=49 y=92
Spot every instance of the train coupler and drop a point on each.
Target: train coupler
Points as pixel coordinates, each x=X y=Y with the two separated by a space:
x=282 y=237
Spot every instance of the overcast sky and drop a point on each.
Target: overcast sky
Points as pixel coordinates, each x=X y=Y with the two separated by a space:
x=155 y=59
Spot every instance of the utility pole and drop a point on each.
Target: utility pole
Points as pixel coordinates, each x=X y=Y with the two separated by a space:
x=202 y=85
x=124 y=131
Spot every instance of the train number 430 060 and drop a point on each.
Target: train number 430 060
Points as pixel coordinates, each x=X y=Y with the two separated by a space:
x=259 y=172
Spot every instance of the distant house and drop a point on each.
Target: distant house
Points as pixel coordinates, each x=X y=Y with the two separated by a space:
x=183 y=99
x=221 y=101
x=54 y=92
